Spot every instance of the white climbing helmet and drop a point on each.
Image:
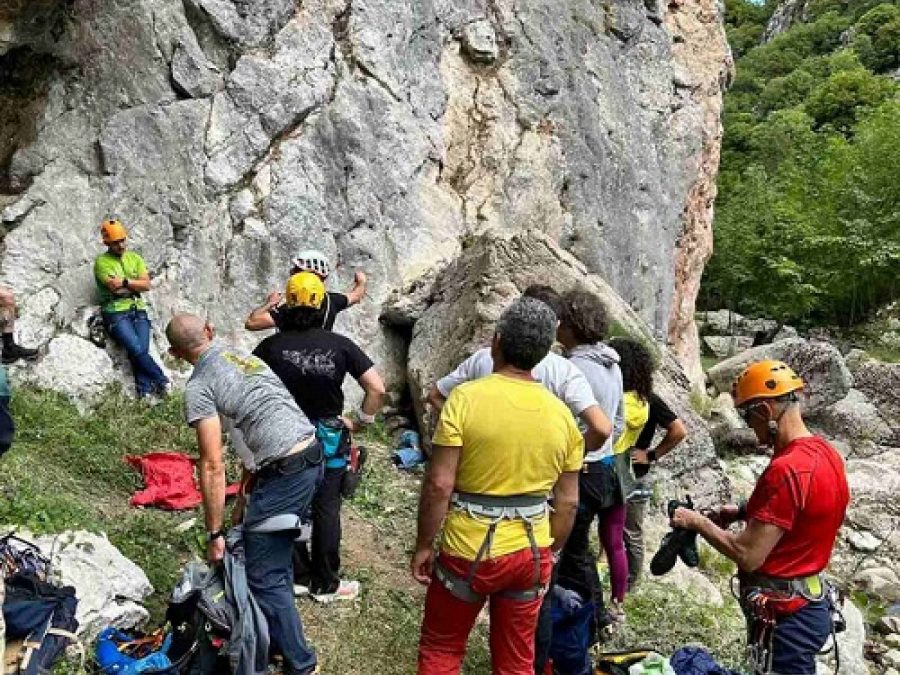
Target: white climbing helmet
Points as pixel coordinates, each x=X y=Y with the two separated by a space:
x=310 y=260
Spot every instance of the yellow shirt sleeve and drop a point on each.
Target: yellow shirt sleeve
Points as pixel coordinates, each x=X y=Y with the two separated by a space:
x=450 y=425
x=575 y=451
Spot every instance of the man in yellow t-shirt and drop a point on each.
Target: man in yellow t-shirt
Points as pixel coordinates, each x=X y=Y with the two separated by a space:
x=503 y=442
x=121 y=277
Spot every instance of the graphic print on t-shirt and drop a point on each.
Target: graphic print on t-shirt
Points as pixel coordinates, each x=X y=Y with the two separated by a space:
x=311 y=361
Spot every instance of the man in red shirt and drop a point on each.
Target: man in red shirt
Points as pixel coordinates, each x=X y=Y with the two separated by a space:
x=792 y=520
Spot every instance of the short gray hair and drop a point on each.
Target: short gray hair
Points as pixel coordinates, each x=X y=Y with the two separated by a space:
x=526 y=330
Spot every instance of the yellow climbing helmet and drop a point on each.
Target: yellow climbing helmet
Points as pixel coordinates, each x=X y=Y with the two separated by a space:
x=305 y=289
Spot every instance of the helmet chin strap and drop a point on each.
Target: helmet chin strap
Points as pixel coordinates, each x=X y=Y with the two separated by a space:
x=772 y=424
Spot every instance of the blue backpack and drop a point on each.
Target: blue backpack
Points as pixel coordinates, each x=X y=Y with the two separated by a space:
x=43 y=615
x=573 y=631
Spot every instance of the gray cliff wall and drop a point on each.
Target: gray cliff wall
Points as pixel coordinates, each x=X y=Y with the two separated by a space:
x=226 y=134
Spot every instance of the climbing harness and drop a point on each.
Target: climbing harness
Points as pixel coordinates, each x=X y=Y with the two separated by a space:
x=495 y=509
x=765 y=600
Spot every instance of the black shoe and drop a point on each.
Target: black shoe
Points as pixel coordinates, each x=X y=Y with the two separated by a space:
x=665 y=557
x=688 y=551
x=678 y=543
x=15 y=352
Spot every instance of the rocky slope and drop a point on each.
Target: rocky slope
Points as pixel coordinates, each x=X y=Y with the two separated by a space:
x=228 y=133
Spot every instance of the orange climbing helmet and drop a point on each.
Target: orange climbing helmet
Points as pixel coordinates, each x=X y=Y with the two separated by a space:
x=304 y=289
x=113 y=230
x=765 y=379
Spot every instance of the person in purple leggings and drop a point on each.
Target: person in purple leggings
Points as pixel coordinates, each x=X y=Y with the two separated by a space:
x=583 y=327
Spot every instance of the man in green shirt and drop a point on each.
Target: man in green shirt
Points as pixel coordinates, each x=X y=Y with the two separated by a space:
x=121 y=277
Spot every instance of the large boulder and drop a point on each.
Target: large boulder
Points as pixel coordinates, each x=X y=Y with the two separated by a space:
x=723 y=346
x=880 y=382
x=871 y=556
x=75 y=367
x=109 y=587
x=452 y=312
x=856 y=419
x=819 y=364
x=728 y=431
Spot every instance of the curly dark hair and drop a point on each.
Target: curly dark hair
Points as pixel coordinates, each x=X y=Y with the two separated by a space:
x=302 y=318
x=586 y=316
x=547 y=295
x=637 y=365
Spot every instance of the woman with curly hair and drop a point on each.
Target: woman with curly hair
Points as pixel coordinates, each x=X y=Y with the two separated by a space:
x=637 y=365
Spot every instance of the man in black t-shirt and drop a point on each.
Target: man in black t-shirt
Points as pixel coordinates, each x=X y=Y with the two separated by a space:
x=271 y=313
x=312 y=363
x=661 y=416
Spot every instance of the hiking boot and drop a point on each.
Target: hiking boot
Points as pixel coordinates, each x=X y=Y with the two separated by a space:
x=346 y=590
x=14 y=352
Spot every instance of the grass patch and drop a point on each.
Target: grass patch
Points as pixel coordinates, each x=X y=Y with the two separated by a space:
x=714 y=564
x=701 y=403
x=665 y=619
x=66 y=471
x=708 y=362
x=883 y=353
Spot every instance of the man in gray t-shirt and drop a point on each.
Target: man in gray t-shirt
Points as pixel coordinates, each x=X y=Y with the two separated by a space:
x=244 y=389
x=227 y=384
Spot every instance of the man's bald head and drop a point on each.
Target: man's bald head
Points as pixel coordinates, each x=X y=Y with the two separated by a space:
x=187 y=334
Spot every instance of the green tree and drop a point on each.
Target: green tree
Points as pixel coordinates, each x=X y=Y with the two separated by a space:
x=839 y=99
x=877 y=38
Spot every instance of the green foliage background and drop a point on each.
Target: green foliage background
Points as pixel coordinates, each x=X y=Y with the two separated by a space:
x=807 y=224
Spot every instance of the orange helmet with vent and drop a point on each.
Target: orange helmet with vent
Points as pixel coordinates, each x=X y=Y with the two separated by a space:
x=765 y=379
x=113 y=230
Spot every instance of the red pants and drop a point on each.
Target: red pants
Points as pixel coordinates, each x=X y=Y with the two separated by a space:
x=448 y=620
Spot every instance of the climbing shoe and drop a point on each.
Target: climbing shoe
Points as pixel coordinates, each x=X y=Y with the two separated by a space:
x=14 y=352
x=678 y=543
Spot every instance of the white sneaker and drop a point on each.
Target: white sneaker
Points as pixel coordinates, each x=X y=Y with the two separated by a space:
x=347 y=590
x=300 y=591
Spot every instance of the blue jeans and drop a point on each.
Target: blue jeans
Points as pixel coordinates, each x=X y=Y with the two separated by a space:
x=270 y=570
x=7 y=426
x=799 y=638
x=131 y=329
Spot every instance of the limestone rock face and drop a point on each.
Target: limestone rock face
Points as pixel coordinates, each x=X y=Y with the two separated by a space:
x=453 y=313
x=226 y=134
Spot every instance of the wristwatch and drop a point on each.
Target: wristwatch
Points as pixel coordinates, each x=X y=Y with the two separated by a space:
x=212 y=536
x=651 y=456
x=125 y=282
